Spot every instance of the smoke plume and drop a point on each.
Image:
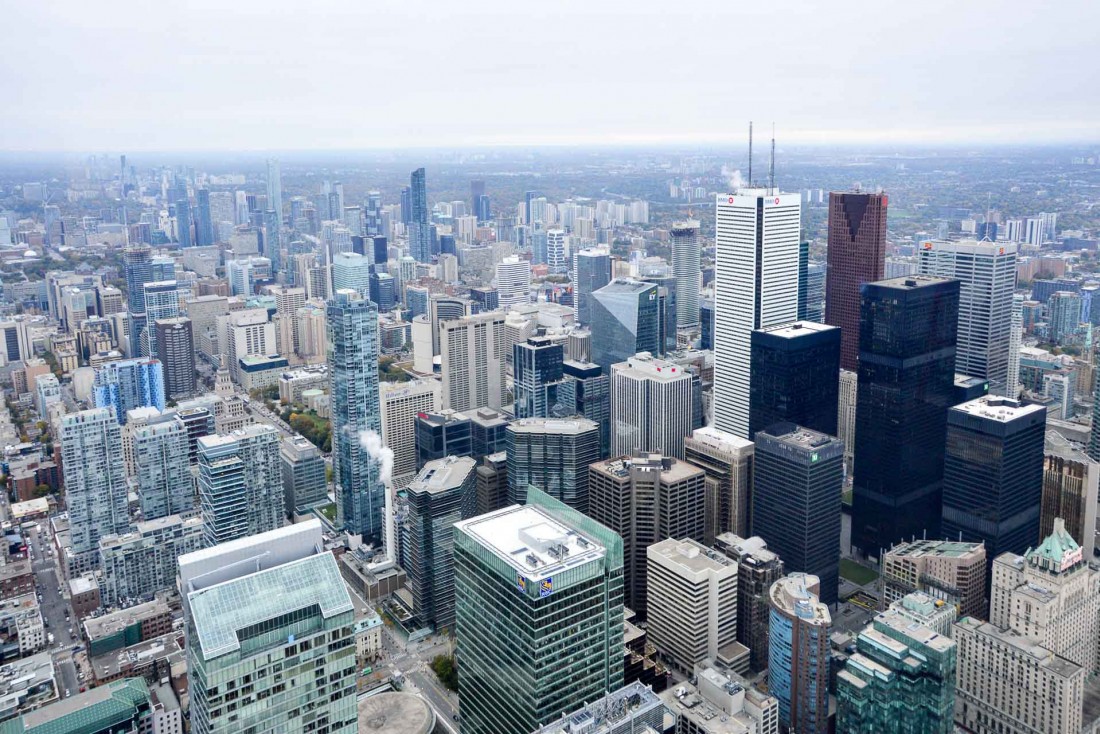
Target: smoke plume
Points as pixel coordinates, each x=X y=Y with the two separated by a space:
x=372 y=442
x=733 y=178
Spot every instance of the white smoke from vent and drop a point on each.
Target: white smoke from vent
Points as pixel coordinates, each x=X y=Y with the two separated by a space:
x=733 y=178
x=372 y=443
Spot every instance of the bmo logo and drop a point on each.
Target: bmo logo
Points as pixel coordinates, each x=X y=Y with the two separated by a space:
x=777 y=200
x=731 y=199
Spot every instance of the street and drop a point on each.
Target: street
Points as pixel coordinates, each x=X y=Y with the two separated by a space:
x=55 y=609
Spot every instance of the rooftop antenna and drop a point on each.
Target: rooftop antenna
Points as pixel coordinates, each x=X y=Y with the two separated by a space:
x=771 y=172
x=750 y=154
x=988 y=208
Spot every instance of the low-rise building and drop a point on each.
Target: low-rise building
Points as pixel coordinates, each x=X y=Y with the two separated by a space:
x=21 y=629
x=943 y=569
x=721 y=704
x=633 y=709
x=368 y=638
x=123 y=706
x=27 y=684
x=293 y=383
x=127 y=627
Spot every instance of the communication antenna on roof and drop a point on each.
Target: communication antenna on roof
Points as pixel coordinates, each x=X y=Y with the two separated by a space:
x=988 y=208
x=771 y=172
x=750 y=154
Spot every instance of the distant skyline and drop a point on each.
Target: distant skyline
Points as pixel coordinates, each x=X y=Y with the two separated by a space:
x=252 y=76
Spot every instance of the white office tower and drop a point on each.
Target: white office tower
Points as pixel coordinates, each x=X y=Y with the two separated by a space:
x=474 y=360
x=987 y=274
x=270 y=635
x=95 y=479
x=401 y=402
x=1033 y=232
x=756 y=286
x=846 y=416
x=686 y=267
x=1015 y=341
x=556 y=244
x=651 y=403
x=513 y=282
x=692 y=604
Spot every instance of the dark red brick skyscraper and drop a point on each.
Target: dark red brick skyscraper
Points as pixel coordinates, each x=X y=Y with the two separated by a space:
x=857 y=255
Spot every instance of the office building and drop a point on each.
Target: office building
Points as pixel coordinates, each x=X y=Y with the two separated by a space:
x=757 y=569
x=552 y=454
x=811 y=289
x=1070 y=489
x=646 y=499
x=993 y=474
x=137 y=565
x=128 y=384
x=1049 y=595
x=537 y=374
x=401 y=403
x=204 y=225
x=162 y=301
x=794 y=377
x=442 y=494
x=1064 y=317
x=686 y=248
x=555 y=579
x=727 y=461
x=269 y=625
x=900 y=680
x=1010 y=683
x=846 y=415
x=383 y=291
x=492 y=483
x=797 y=480
x=303 y=469
x=905 y=386
x=95 y=479
x=586 y=392
x=474 y=361
x=720 y=703
x=987 y=275
x=352 y=330
x=624 y=321
x=798 y=649
x=240 y=483
x=756 y=286
x=948 y=570
x=420 y=234
x=351 y=271
x=176 y=352
x=651 y=406
x=162 y=469
x=591 y=271
x=442 y=434
x=513 y=282
x=856 y=255
x=692 y=607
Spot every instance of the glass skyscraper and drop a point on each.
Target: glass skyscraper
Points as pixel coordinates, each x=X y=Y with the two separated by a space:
x=625 y=321
x=129 y=384
x=553 y=579
x=591 y=271
x=204 y=226
x=794 y=376
x=798 y=654
x=686 y=253
x=553 y=455
x=537 y=365
x=352 y=327
x=420 y=234
x=906 y=385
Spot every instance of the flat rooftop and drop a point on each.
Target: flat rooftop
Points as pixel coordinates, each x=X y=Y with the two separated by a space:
x=804 y=438
x=797 y=329
x=531 y=541
x=912 y=282
x=108 y=624
x=692 y=556
x=553 y=425
x=911 y=629
x=443 y=474
x=941 y=548
x=996 y=408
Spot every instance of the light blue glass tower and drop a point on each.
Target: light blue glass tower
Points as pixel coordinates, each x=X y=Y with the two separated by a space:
x=204 y=225
x=625 y=321
x=592 y=272
x=352 y=326
x=420 y=235
x=129 y=384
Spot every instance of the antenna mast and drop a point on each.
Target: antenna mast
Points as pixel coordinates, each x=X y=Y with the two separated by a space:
x=750 y=154
x=771 y=172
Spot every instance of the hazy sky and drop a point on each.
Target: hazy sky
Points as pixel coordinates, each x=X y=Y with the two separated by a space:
x=271 y=75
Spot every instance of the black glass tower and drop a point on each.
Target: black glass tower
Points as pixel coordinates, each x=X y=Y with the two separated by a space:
x=905 y=387
x=993 y=474
x=795 y=376
x=538 y=372
x=797 y=479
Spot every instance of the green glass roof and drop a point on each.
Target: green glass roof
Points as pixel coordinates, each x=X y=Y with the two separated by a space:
x=96 y=710
x=220 y=611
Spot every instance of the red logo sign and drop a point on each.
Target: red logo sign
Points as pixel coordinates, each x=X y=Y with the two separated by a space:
x=777 y=200
x=731 y=199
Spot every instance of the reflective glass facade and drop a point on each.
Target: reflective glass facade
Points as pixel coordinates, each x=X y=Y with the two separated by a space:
x=625 y=321
x=794 y=377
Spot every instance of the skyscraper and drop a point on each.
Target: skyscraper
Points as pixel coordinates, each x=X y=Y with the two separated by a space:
x=350 y=270
x=240 y=483
x=558 y=598
x=987 y=275
x=251 y=608
x=651 y=406
x=586 y=392
x=756 y=286
x=441 y=495
x=727 y=461
x=400 y=404
x=162 y=301
x=591 y=271
x=374 y=217
x=757 y=569
x=686 y=253
x=474 y=361
x=993 y=473
x=513 y=282
x=797 y=480
x=273 y=240
x=1071 y=483
x=794 y=376
x=420 y=235
x=555 y=250
x=275 y=187
x=176 y=349
x=692 y=611
x=304 y=469
x=183 y=221
x=537 y=368
x=477 y=190
x=552 y=454
x=352 y=327
x=646 y=499
x=856 y=255
x=128 y=384
x=905 y=388
x=204 y=226
x=625 y=321
x=163 y=469
x=95 y=482
x=798 y=649
x=900 y=680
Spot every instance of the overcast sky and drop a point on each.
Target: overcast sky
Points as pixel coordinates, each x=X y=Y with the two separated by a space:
x=278 y=75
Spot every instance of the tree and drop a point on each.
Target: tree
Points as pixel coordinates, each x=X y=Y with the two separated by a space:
x=446 y=670
x=42 y=490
